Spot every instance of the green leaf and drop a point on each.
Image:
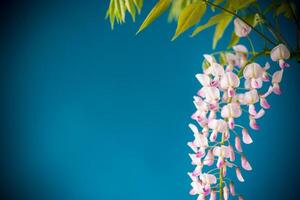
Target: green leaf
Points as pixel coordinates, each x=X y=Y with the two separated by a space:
x=138 y=4
x=131 y=9
x=160 y=7
x=212 y=21
x=252 y=19
x=239 y=4
x=222 y=58
x=122 y=10
x=220 y=28
x=176 y=9
x=189 y=17
x=286 y=9
x=234 y=40
x=110 y=13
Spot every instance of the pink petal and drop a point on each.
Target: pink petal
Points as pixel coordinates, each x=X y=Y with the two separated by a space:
x=239 y=174
x=224 y=171
x=192 y=192
x=276 y=89
x=241 y=197
x=231 y=123
x=245 y=164
x=252 y=109
x=197 y=171
x=238 y=145
x=226 y=135
x=231 y=92
x=264 y=103
x=220 y=162
x=232 y=188
x=283 y=64
x=231 y=153
x=259 y=114
x=212 y=115
x=277 y=76
x=246 y=137
x=241 y=29
x=225 y=193
x=213 y=195
x=203 y=79
x=214 y=83
x=200 y=154
x=209 y=158
x=256 y=83
x=194 y=128
x=253 y=124
x=192 y=146
x=266 y=77
x=213 y=136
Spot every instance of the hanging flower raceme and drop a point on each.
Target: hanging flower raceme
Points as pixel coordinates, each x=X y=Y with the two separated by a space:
x=219 y=103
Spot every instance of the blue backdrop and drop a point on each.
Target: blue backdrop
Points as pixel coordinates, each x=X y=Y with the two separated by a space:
x=90 y=113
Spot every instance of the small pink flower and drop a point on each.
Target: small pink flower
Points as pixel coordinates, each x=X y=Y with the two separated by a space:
x=225 y=193
x=213 y=195
x=253 y=73
x=239 y=174
x=231 y=153
x=246 y=137
x=241 y=29
x=265 y=74
x=264 y=103
x=245 y=164
x=208 y=179
x=253 y=124
x=276 y=79
x=209 y=158
x=232 y=188
x=238 y=144
x=280 y=53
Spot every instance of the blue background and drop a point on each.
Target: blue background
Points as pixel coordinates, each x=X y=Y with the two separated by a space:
x=90 y=113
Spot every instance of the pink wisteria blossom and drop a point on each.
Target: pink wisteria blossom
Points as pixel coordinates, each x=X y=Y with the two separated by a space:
x=228 y=92
x=241 y=29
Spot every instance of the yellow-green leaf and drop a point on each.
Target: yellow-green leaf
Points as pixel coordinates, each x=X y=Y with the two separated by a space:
x=138 y=4
x=240 y=4
x=220 y=28
x=234 y=40
x=252 y=19
x=176 y=9
x=222 y=58
x=111 y=13
x=189 y=17
x=212 y=21
x=160 y=7
x=131 y=9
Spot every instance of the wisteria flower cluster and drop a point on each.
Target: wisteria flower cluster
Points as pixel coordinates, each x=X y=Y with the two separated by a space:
x=228 y=92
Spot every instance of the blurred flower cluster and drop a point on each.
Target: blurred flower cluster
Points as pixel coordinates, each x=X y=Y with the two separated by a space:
x=228 y=92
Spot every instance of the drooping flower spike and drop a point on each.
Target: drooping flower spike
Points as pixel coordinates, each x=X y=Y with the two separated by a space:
x=222 y=99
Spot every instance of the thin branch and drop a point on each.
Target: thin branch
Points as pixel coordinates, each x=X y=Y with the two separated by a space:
x=234 y=14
